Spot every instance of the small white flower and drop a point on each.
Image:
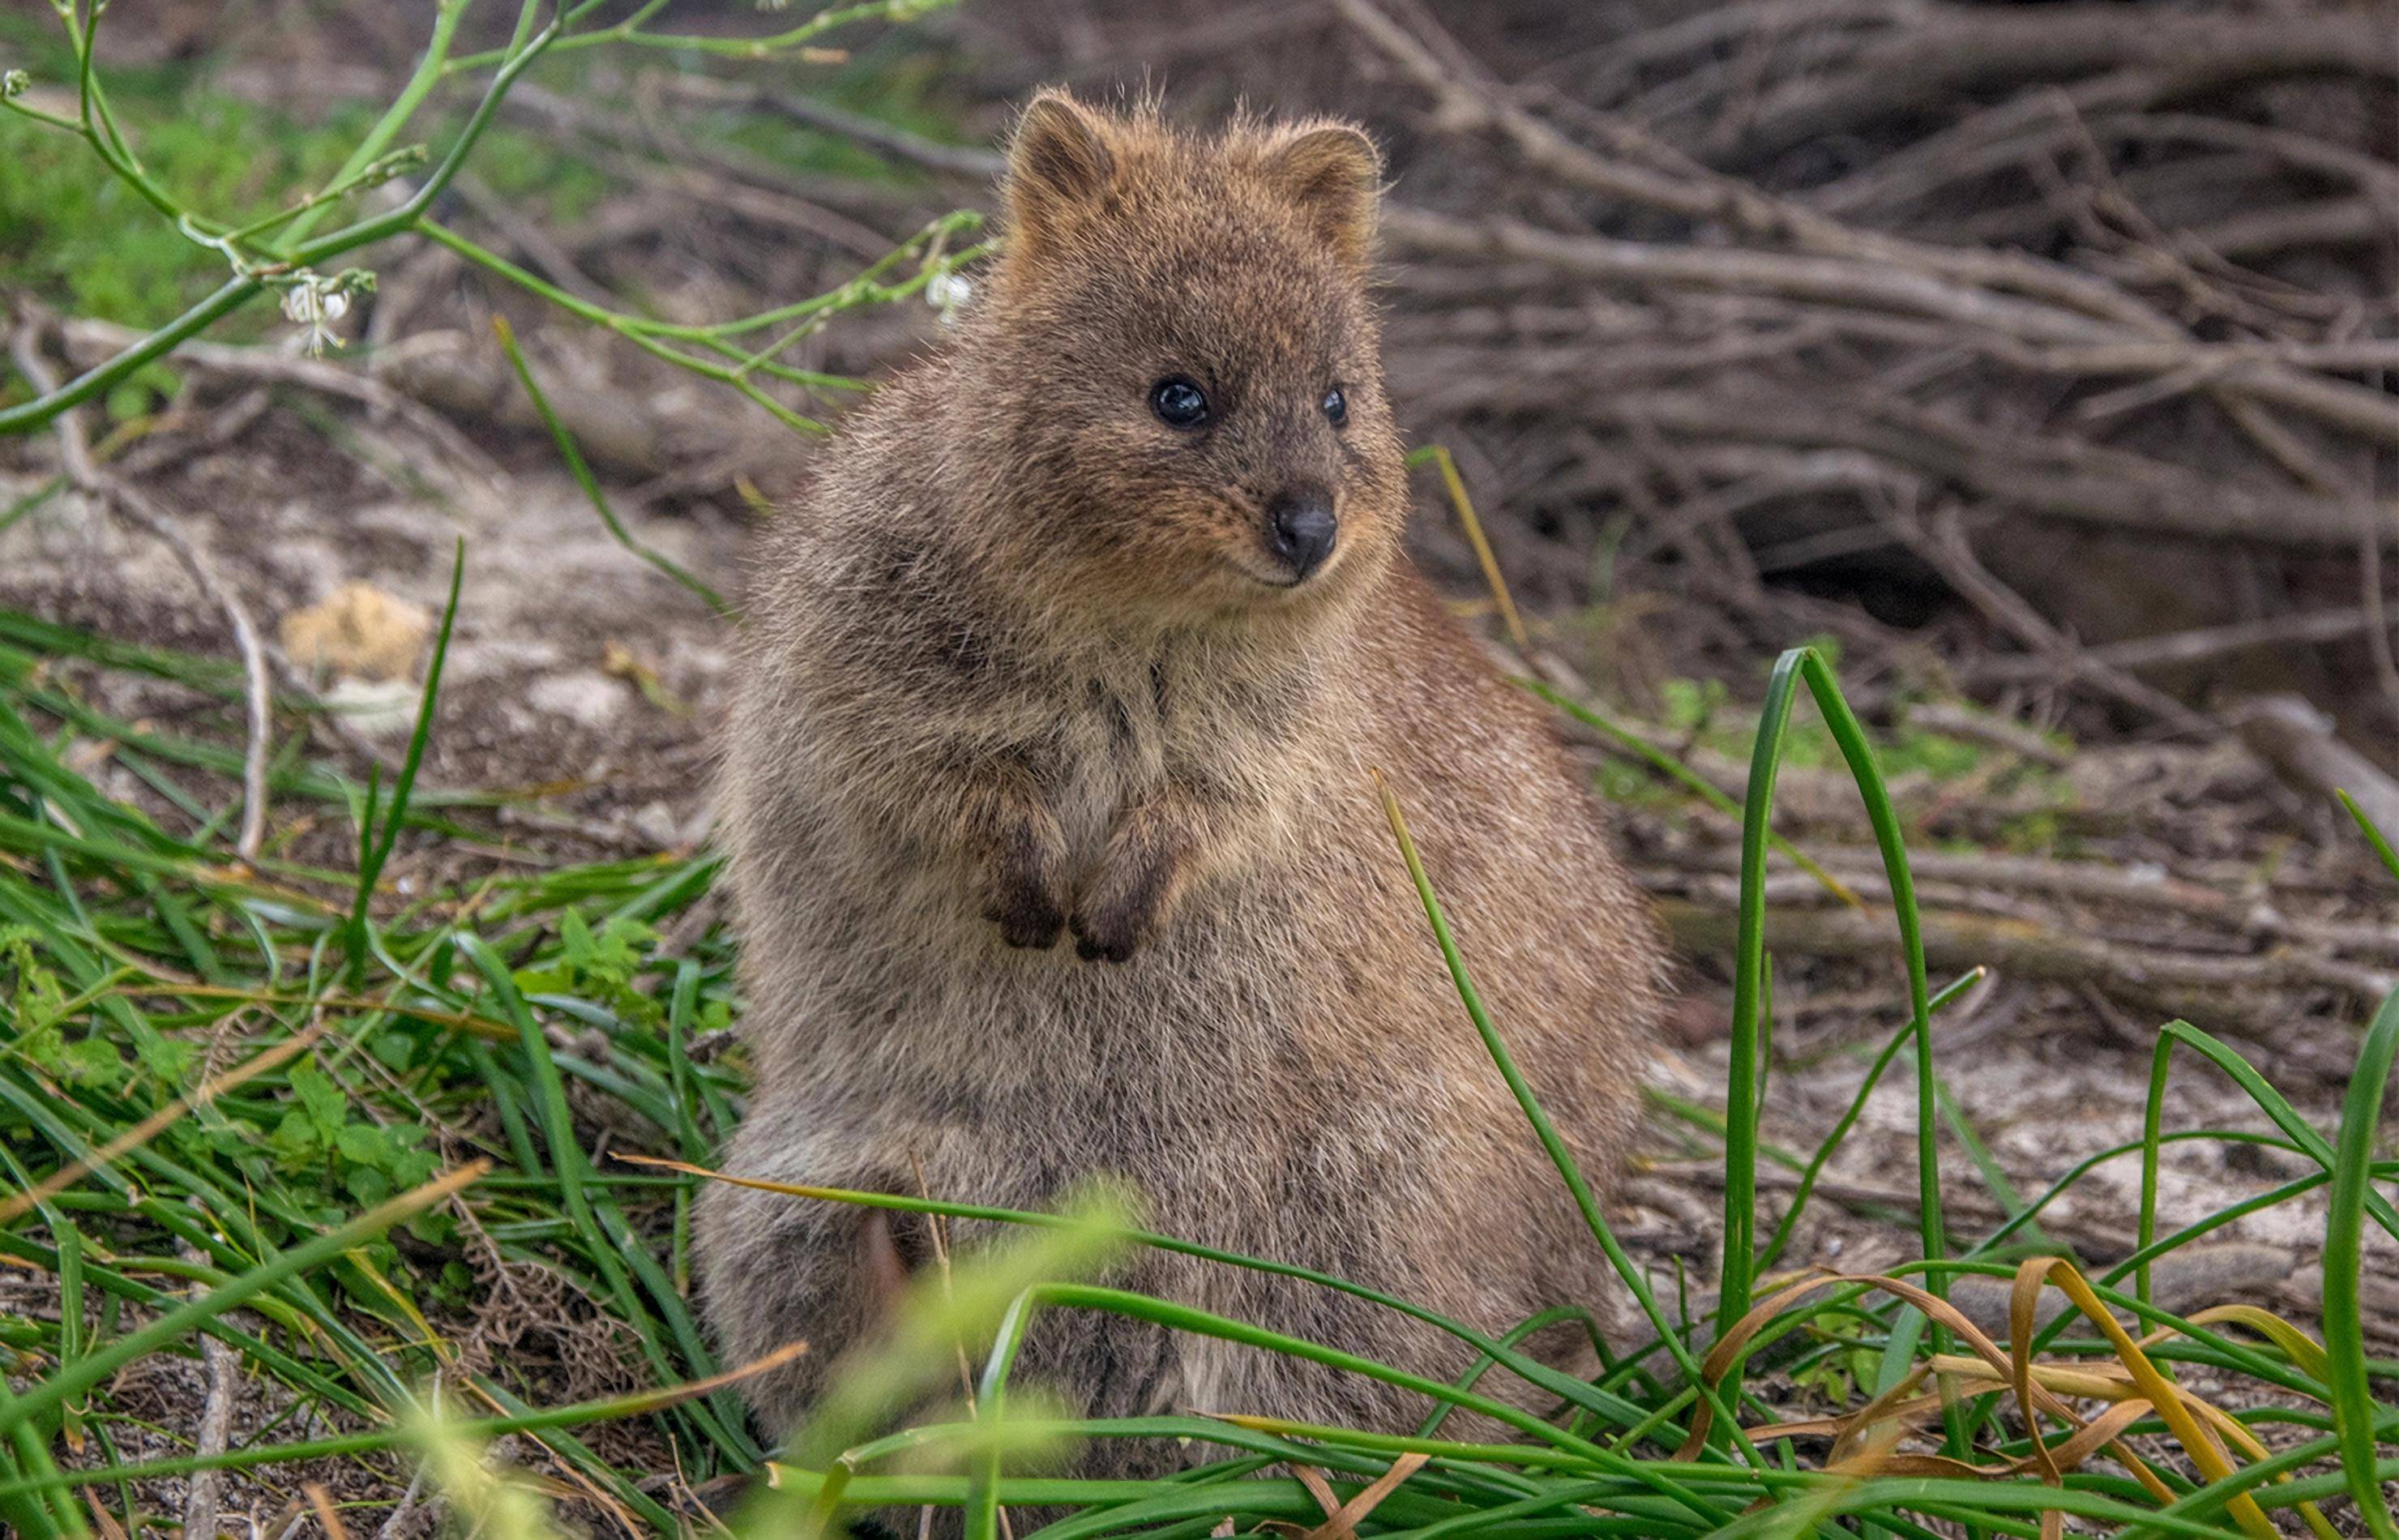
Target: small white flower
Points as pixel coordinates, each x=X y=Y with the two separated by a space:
x=316 y=302
x=947 y=292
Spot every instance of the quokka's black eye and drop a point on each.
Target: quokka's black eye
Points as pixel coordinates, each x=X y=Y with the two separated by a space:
x=1337 y=407
x=1178 y=403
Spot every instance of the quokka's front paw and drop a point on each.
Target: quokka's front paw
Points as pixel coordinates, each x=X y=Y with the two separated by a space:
x=1027 y=900
x=1118 y=914
x=1027 y=918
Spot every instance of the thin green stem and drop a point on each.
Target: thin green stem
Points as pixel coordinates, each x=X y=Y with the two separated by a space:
x=421 y=81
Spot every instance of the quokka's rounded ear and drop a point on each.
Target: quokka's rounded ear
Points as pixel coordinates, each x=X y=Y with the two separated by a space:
x=1058 y=161
x=1334 y=174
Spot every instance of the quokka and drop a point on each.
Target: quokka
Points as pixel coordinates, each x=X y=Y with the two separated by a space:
x=1053 y=842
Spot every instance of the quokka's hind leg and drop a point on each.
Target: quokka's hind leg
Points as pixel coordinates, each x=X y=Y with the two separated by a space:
x=776 y=1268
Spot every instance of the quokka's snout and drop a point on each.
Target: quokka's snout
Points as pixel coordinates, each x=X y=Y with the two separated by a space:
x=1094 y=622
x=1301 y=529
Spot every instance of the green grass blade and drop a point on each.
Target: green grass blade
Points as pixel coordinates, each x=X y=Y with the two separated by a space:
x=2374 y=836
x=1850 y=736
x=1562 y=1157
x=370 y=869
x=1565 y=1386
x=580 y=469
x=98 y=1366
x=2354 y=1411
x=1736 y=1279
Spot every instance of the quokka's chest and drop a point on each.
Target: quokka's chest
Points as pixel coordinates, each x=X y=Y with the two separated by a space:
x=1110 y=746
x=1184 y=721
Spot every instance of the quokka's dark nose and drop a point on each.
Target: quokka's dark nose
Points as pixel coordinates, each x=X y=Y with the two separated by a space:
x=1301 y=528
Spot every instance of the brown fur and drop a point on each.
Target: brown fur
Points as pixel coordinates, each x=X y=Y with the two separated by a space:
x=1016 y=669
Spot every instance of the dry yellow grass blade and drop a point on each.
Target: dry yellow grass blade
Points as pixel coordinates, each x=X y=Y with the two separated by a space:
x=2093 y=1382
x=789 y=1189
x=2023 y=1298
x=692 y=1389
x=1318 y=1488
x=434 y=1341
x=2134 y=1384
x=320 y=1502
x=2171 y=1401
x=1456 y=486
x=1341 y=1523
x=104 y=1521
x=482 y=1026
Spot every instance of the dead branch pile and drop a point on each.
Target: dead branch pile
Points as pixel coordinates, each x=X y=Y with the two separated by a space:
x=2075 y=322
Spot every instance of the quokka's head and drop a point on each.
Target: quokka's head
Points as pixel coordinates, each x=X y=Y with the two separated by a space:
x=1181 y=361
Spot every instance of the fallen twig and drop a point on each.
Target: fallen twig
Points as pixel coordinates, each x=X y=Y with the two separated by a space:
x=85 y=475
x=1945 y=549
x=2180 y=648
x=214 y=1429
x=2040 y=337
x=2184 y=985
x=2297 y=740
x=2211 y=915
x=2058 y=304
x=89 y=340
